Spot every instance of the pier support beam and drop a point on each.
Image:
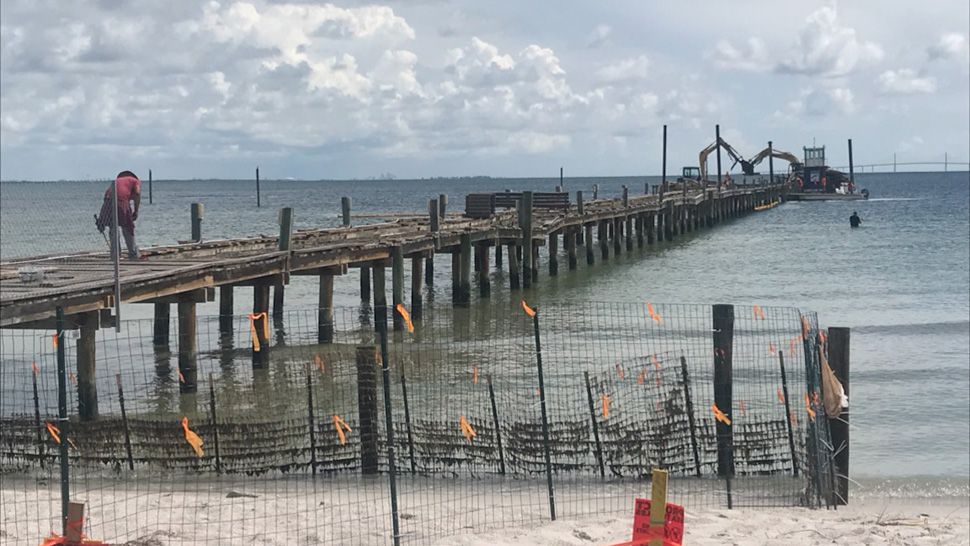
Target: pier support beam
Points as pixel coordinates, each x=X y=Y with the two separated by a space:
x=397 y=286
x=525 y=218
x=514 y=280
x=87 y=385
x=364 y=283
x=368 y=424
x=325 y=309
x=417 y=304
x=839 y=360
x=226 y=310
x=570 y=242
x=639 y=227
x=588 y=243
x=188 y=382
x=260 y=308
x=602 y=233
x=484 y=283
x=465 y=271
x=455 y=275
x=554 y=254
x=649 y=219
x=498 y=256
x=380 y=297
x=628 y=232
x=161 y=325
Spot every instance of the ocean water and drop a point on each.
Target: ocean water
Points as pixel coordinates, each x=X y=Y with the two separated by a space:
x=901 y=281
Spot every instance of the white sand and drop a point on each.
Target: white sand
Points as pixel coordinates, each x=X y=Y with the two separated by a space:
x=870 y=522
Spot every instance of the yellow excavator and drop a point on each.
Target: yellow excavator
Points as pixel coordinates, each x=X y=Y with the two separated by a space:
x=774 y=152
x=746 y=167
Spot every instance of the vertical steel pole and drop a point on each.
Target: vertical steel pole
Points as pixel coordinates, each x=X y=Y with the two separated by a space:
x=545 y=419
x=116 y=245
x=389 y=425
x=63 y=422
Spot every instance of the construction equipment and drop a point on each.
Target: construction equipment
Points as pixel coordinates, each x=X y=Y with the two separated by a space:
x=746 y=167
x=780 y=154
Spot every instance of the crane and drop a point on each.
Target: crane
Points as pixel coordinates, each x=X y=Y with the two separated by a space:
x=746 y=167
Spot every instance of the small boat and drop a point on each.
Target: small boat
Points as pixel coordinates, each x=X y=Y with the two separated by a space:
x=767 y=206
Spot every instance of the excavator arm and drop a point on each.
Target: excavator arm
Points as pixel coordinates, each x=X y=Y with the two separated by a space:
x=746 y=167
x=780 y=154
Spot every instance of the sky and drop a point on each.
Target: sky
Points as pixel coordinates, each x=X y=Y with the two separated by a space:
x=415 y=89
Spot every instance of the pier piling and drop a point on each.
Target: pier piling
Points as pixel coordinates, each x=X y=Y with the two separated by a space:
x=367 y=404
x=325 y=309
x=838 y=345
x=417 y=304
x=188 y=382
x=397 y=286
x=723 y=327
x=87 y=386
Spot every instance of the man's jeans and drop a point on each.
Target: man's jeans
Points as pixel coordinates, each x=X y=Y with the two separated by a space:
x=129 y=236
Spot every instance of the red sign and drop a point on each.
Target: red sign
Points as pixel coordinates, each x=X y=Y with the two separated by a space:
x=673 y=529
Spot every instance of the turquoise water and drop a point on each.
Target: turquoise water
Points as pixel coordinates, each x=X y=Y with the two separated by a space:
x=901 y=282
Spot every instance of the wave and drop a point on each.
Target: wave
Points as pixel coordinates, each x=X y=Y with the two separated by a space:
x=946 y=327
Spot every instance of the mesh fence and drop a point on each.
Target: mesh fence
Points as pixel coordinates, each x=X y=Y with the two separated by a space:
x=296 y=448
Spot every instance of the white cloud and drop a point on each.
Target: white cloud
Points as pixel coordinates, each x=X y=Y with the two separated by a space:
x=950 y=45
x=624 y=70
x=906 y=81
x=752 y=59
x=822 y=102
x=599 y=36
x=822 y=47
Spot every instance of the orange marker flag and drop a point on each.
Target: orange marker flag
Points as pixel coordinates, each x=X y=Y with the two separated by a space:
x=341 y=426
x=805 y=328
x=771 y=349
x=474 y=375
x=253 y=317
x=33 y=366
x=181 y=377
x=72 y=377
x=54 y=431
x=466 y=428
x=54 y=339
x=656 y=318
x=606 y=406
x=192 y=438
x=808 y=406
x=758 y=312
x=781 y=397
x=406 y=316
x=319 y=362
x=641 y=377
x=620 y=372
x=791 y=346
x=821 y=334
x=528 y=310
x=744 y=408
x=719 y=415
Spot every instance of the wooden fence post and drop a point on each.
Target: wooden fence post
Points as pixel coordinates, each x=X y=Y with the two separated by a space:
x=367 y=407
x=723 y=325
x=839 y=428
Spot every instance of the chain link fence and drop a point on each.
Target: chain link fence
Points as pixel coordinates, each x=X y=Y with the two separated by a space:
x=449 y=429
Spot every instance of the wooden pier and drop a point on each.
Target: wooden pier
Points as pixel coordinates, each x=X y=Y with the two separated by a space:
x=186 y=274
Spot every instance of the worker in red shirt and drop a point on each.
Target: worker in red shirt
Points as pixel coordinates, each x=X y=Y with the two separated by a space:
x=129 y=191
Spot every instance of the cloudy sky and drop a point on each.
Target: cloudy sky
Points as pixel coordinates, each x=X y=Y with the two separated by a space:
x=441 y=88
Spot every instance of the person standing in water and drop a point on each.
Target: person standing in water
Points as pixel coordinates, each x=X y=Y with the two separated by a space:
x=129 y=190
x=854 y=220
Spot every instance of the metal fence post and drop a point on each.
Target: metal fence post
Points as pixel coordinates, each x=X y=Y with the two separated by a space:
x=723 y=324
x=839 y=428
x=545 y=419
x=389 y=425
x=63 y=422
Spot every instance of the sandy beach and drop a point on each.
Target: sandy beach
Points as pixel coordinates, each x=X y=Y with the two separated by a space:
x=871 y=522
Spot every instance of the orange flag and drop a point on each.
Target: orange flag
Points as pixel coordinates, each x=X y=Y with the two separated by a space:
x=656 y=318
x=641 y=377
x=181 y=377
x=620 y=372
x=781 y=397
x=758 y=312
x=253 y=317
x=771 y=349
x=54 y=340
x=719 y=415
x=528 y=310
x=341 y=426
x=466 y=428
x=808 y=407
x=192 y=438
x=744 y=408
x=54 y=431
x=406 y=316
x=319 y=362
x=606 y=406
x=474 y=375
x=33 y=366
x=656 y=361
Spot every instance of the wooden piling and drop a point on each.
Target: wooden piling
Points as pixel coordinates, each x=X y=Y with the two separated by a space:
x=602 y=232
x=345 y=210
x=638 y=224
x=417 y=304
x=498 y=255
x=197 y=211
x=442 y=206
x=364 y=283
x=535 y=262
x=579 y=203
x=588 y=243
x=628 y=232
x=380 y=297
x=283 y=243
x=838 y=345
x=514 y=280
x=258 y=201
x=723 y=327
x=188 y=382
x=367 y=423
x=260 y=308
x=596 y=192
x=617 y=235
x=325 y=309
x=663 y=168
x=161 y=324
x=87 y=385
x=226 y=310
x=484 y=284
x=554 y=254
x=150 y=200
x=569 y=238
x=717 y=141
x=464 y=286
x=626 y=197
x=595 y=426
x=852 y=165
x=526 y=227
x=648 y=224
x=397 y=286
